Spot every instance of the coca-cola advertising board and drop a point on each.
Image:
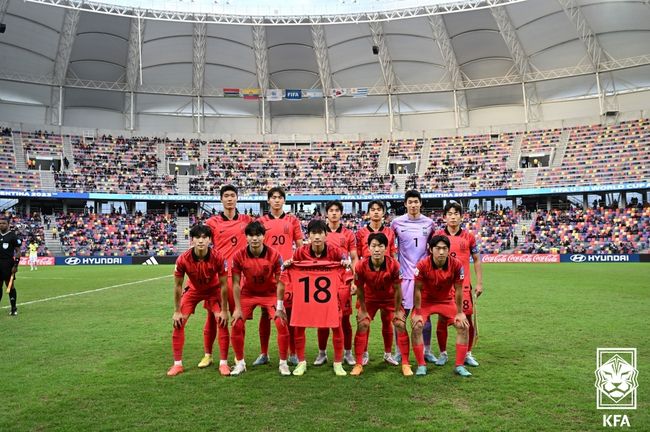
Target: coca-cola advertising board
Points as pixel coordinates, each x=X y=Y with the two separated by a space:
x=521 y=258
x=40 y=261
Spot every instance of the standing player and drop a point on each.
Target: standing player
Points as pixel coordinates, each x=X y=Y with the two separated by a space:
x=412 y=231
x=33 y=255
x=436 y=278
x=282 y=233
x=318 y=250
x=9 y=260
x=205 y=268
x=343 y=238
x=378 y=288
x=376 y=212
x=463 y=245
x=260 y=267
x=227 y=237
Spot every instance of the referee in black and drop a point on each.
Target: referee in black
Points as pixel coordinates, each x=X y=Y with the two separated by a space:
x=9 y=260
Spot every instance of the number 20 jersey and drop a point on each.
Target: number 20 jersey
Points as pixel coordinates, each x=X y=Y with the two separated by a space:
x=281 y=233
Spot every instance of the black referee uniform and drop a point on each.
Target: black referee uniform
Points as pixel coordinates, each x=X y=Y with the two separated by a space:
x=9 y=258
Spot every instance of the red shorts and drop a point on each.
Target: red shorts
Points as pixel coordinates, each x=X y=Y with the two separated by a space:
x=345 y=300
x=248 y=304
x=288 y=297
x=444 y=310
x=211 y=301
x=373 y=307
x=468 y=302
x=231 y=295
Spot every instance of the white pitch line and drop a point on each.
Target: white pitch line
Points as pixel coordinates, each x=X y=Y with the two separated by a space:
x=89 y=291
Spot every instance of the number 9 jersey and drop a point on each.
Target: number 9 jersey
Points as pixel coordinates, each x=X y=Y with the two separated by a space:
x=228 y=234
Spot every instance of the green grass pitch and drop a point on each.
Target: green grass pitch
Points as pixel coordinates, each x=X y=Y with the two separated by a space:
x=97 y=360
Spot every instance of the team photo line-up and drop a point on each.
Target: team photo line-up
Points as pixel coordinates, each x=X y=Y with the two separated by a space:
x=237 y=263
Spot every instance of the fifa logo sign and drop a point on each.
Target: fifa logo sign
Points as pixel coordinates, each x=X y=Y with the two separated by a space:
x=616 y=383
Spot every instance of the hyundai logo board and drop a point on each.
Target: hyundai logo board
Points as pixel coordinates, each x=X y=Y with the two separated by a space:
x=93 y=260
x=600 y=258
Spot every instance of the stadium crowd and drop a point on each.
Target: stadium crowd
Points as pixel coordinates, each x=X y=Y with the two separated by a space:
x=117 y=234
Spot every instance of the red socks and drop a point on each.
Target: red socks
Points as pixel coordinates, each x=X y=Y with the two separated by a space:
x=323 y=337
x=283 y=338
x=299 y=334
x=360 y=345
x=441 y=334
x=403 y=344
x=237 y=338
x=178 y=340
x=418 y=350
x=461 y=352
x=209 y=332
x=265 y=332
x=347 y=332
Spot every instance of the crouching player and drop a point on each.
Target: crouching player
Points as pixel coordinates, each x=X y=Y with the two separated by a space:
x=205 y=268
x=379 y=281
x=259 y=267
x=435 y=278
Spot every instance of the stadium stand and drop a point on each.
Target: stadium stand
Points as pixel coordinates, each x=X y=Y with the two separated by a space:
x=42 y=143
x=10 y=177
x=602 y=154
x=117 y=234
x=118 y=165
x=600 y=230
x=321 y=167
x=29 y=228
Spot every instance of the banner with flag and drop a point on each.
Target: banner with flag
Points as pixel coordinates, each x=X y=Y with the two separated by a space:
x=231 y=92
x=338 y=92
x=250 y=93
x=293 y=94
x=312 y=93
x=359 y=92
x=274 y=95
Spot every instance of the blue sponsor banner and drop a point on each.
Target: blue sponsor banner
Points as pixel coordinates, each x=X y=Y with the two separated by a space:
x=315 y=197
x=293 y=94
x=599 y=258
x=580 y=189
x=93 y=260
x=41 y=194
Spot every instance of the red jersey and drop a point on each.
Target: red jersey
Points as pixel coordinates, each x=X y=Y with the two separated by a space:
x=203 y=273
x=377 y=285
x=228 y=234
x=330 y=253
x=463 y=245
x=316 y=285
x=342 y=238
x=438 y=283
x=281 y=233
x=362 y=240
x=260 y=273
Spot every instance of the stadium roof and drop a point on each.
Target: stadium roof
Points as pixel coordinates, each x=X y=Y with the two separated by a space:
x=433 y=61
